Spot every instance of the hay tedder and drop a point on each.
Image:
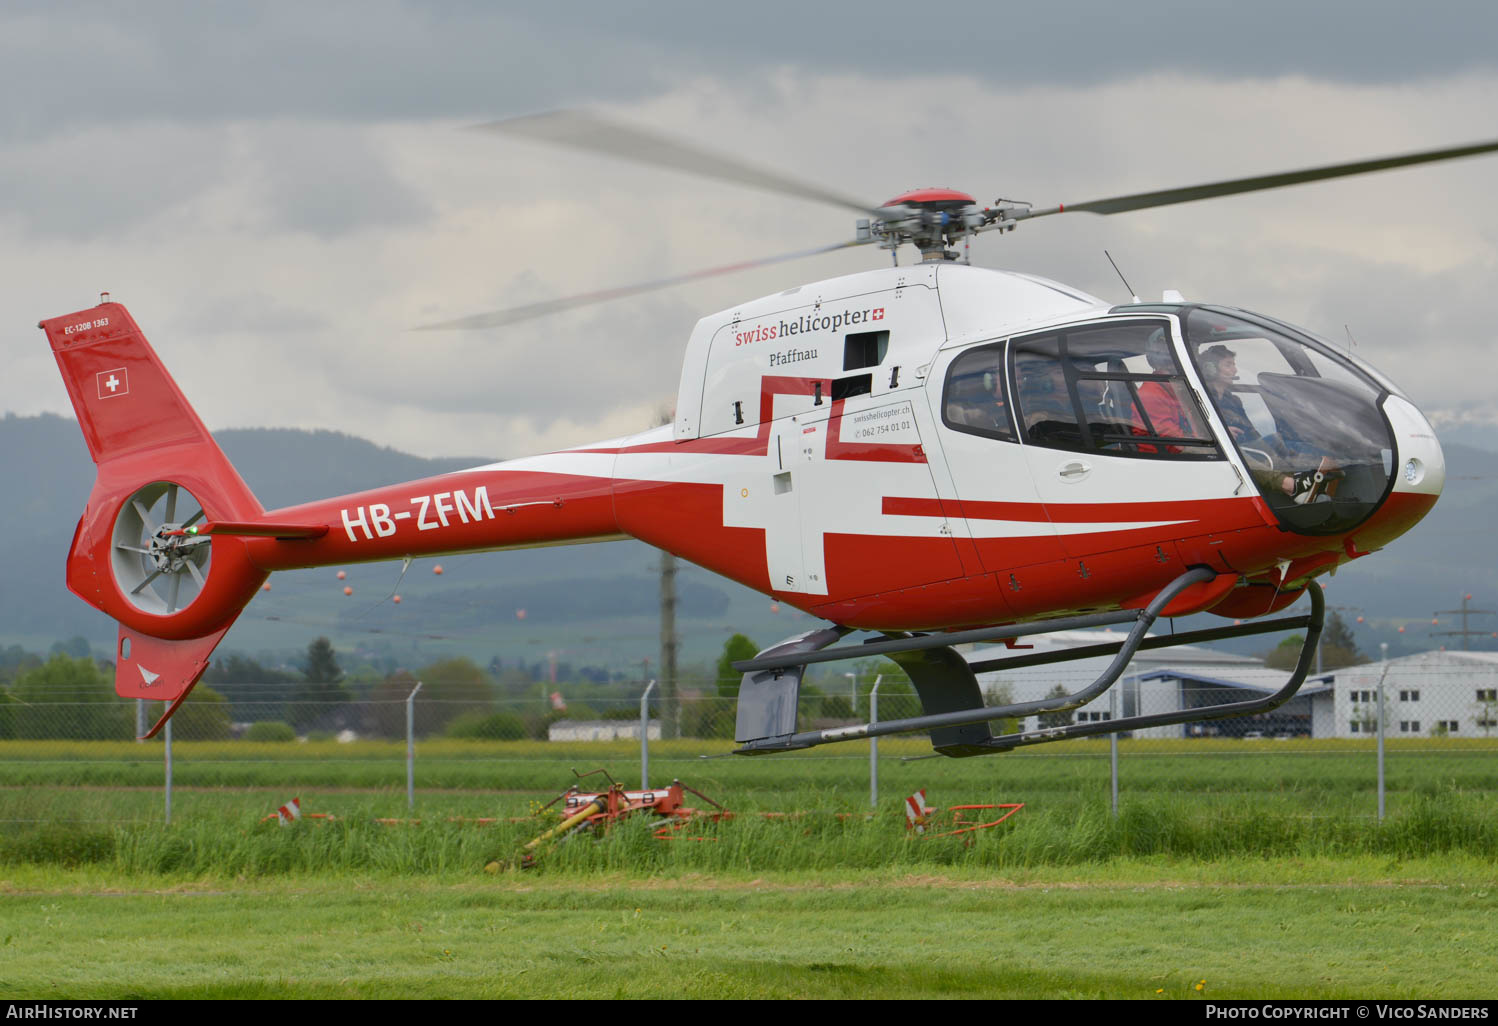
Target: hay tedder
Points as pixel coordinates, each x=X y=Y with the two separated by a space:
x=598 y=810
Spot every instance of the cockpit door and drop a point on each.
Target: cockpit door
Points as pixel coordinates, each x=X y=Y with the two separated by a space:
x=986 y=480
x=1116 y=440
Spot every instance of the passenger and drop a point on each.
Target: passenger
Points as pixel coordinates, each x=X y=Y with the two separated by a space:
x=976 y=399
x=1167 y=414
x=1000 y=411
x=1042 y=392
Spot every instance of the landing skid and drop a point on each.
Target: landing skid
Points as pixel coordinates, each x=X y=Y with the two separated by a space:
x=954 y=712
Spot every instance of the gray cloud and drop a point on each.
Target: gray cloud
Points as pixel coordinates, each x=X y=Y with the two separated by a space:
x=399 y=59
x=276 y=258
x=327 y=182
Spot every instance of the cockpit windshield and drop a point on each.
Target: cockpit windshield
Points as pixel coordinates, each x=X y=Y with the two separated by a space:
x=1308 y=425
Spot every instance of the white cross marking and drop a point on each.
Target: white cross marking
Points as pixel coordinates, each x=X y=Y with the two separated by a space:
x=113 y=382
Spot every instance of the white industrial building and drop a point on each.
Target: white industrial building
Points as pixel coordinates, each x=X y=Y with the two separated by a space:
x=1431 y=694
x=1163 y=680
x=601 y=730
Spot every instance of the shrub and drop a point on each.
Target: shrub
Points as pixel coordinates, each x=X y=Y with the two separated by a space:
x=478 y=726
x=270 y=730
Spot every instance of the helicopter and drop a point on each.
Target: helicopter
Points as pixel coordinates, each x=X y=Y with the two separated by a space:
x=935 y=453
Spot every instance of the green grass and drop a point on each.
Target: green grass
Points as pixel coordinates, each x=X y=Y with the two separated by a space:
x=1312 y=766
x=1259 y=868
x=222 y=833
x=1147 y=929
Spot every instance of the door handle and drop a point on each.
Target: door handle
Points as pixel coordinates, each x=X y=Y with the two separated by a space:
x=1074 y=471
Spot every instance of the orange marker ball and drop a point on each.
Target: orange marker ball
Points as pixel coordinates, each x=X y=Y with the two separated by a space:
x=265 y=586
x=396 y=599
x=437 y=569
x=348 y=591
x=342 y=574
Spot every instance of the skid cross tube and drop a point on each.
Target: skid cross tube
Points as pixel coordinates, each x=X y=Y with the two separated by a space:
x=1312 y=622
x=1124 y=652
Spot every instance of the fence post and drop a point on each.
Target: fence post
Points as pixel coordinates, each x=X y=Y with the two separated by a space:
x=1113 y=743
x=168 y=744
x=1383 y=648
x=645 y=737
x=411 y=747
x=874 y=745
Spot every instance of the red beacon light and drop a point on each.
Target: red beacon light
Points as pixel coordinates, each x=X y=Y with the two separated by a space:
x=932 y=199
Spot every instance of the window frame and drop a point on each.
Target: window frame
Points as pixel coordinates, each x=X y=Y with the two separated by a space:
x=1072 y=375
x=1002 y=368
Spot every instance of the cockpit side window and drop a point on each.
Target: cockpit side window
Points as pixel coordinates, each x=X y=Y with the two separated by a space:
x=975 y=399
x=1111 y=388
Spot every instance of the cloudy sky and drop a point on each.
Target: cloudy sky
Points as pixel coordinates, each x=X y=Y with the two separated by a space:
x=278 y=191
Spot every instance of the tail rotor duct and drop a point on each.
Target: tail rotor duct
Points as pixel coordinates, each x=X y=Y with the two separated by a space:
x=160 y=564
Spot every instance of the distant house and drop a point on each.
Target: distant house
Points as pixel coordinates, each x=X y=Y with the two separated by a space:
x=1429 y=694
x=601 y=730
x=1170 y=688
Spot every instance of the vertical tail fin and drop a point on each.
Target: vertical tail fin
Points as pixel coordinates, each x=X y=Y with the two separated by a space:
x=135 y=554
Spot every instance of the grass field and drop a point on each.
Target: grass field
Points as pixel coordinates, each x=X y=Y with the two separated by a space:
x=1132 y=929
x=1259 y=868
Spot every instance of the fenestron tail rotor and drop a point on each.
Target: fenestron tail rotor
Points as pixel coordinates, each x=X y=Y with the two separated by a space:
x=933 y=219
x=159 y=563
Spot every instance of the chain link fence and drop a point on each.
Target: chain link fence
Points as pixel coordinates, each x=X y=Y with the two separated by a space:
x=1433 y=708
x=1426 y=712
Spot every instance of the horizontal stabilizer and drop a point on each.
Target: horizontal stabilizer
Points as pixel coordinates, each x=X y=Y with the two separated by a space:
x=261 y=529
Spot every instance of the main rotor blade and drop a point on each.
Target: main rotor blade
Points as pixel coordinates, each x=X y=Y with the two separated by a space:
x=499 y=318
x=1186 y=194
x=589 y=132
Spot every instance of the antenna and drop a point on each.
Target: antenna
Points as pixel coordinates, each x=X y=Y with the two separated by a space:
x=1132 y=294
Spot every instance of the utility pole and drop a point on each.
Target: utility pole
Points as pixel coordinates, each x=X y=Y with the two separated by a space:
x=1464 y=612
x=670 y=721
x=670 y=704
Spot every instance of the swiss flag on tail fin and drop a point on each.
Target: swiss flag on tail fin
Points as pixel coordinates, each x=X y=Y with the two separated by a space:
x=125 y=399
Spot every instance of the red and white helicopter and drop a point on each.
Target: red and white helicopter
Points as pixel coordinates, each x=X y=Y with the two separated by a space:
x=937 y=452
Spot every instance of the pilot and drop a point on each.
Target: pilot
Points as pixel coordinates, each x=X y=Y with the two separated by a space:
x=1220 y=369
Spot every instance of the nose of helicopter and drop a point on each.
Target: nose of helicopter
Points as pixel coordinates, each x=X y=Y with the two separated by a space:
x=1418 y=475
